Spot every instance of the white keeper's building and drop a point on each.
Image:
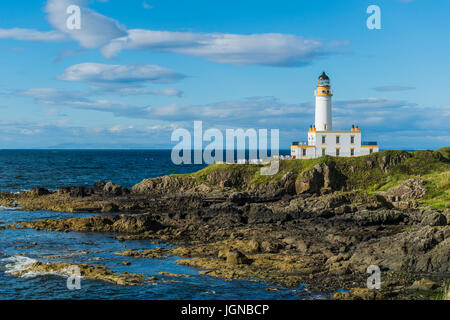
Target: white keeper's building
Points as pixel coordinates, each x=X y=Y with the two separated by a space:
x=322 y=139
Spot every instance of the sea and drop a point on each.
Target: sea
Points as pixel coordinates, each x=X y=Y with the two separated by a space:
x=22 y=170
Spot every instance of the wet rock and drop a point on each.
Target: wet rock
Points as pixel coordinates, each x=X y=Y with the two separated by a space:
x=98 y=187
x=236 y=257
x=132 y=224
x=87 y=271
x=358 y=294
x=115 y=189
x=175 y=275
x=270 y=246
x=110 y=207
x=38 y=191
x=75 y=191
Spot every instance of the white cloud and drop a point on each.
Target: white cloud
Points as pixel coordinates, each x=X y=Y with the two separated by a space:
x=80 y=100
x=32 y=35
x=104 y=73
x=96 y=29
x=99 y=31
x=393 y=88
x=119 y=128
x=168 y=92
x=145 y=5
x=271 y=49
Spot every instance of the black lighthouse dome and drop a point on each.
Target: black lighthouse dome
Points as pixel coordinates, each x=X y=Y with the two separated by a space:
x=324 y=80
x=324 y=76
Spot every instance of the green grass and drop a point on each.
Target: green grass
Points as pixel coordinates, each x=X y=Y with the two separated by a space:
x=363 y=173
x=438 y=190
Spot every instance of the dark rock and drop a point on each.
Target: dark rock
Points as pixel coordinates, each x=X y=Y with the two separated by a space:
x=236 y=257
x=433 y=218
x=324 y=177
x=239 y=198
x=110 y=207
x=38 y=191
x=424 y=284
x=75 y=191
x=98 y=186
x=310 y=181
x=115 y=189
x=260 y=213
x=410 y=189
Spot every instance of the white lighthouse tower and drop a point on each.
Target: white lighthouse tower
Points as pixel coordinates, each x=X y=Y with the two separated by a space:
x=322 y=139
x=323 y=95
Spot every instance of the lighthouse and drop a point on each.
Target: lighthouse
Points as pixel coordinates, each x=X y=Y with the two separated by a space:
x=323 y=140
x=323 y=93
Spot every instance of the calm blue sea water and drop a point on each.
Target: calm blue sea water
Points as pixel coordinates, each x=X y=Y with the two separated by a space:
x=23 y=169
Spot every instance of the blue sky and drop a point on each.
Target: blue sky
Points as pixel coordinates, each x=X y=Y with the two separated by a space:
x=136 y=70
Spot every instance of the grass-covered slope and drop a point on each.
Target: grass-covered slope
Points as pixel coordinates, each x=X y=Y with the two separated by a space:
x=376 y=172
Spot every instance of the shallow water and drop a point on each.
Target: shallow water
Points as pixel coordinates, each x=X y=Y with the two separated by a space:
x=23 y=169
x=20 y=247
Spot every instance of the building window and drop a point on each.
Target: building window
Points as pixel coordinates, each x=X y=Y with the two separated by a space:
x=337 y=152
x=352 y=152
x=370 y=150
x=323 y=152
x=304 y=152
x=337 y=139
x=352 y=139
x=323 y=139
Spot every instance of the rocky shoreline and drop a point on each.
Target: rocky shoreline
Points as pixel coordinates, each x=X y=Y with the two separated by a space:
x=320 y=222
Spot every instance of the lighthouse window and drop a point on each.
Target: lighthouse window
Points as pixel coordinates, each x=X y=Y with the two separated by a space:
x=323 y=91
x=328 y=91
x=337 y=140
x=352 y=139
x=323 y=139
x=337 y=152
x=304 y=152
x=352 y=152
x=323 y=152
x=370 y=150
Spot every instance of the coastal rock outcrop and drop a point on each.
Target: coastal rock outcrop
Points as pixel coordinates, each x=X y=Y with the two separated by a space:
x=422 y=250
x=410 y=189
x=163 y=184
x=87 y=271
x=325 y=176
x=38 y=191
x=132 y=224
